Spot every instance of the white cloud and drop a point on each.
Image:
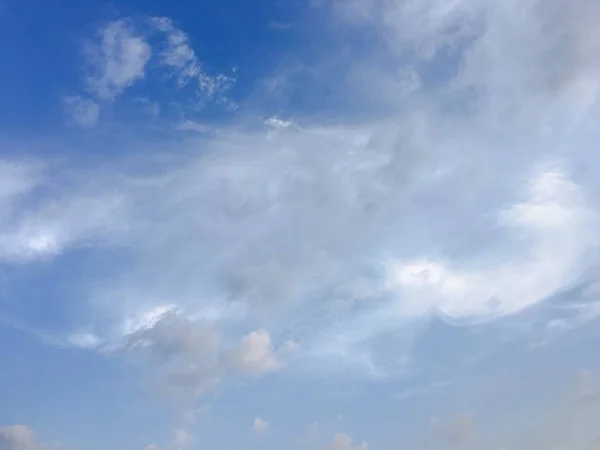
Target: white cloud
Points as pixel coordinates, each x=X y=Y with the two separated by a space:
x=44 y=228
x=553 y=220
x=84 y=112
x=275 y=122
x=18 y=437
x=251 y=229
x=254 y=354
x=260 y=426
x=413 y=25
x=245 y=220
x=487 y=43
x=215 y=87
x=116 y=60
x=177 y=54
x=188 y=355
x=342 y=441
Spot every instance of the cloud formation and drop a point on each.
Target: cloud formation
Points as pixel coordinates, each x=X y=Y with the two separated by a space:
x=254 y=354
x=433 y=205
x=342 y=441
x=84 y=112
x=18 y=437
x=260 y=426
x=189 y=357
x=116 y=59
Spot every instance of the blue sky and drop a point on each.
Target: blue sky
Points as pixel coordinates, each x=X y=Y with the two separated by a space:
x=313 y=225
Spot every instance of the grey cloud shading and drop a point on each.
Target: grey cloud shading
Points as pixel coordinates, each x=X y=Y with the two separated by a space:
x=190 y=360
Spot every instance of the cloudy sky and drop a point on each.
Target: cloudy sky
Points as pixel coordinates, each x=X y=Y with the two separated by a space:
x=299 y=224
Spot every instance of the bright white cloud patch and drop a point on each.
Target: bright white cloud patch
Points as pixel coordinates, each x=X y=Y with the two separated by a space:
x=32 y=229
x=177 y=54
x=116 y=59
x=254 y=355
x=553 y=220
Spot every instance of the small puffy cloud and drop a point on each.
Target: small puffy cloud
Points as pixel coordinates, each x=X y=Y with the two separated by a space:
x=342 y=441
x=18 y=437
x=260 y=426
x=254 y=354
x=85 y=112
x=115 y=60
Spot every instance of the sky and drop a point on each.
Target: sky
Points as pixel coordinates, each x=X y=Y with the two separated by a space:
x=299 y=224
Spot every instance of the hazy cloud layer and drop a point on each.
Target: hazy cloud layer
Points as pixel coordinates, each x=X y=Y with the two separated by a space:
x=459 y=188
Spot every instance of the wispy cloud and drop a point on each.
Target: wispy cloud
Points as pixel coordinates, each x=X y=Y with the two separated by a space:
x=440 y=202
x=127 y=52
x=115 y=60
x=84 y=112
x=179 y=56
